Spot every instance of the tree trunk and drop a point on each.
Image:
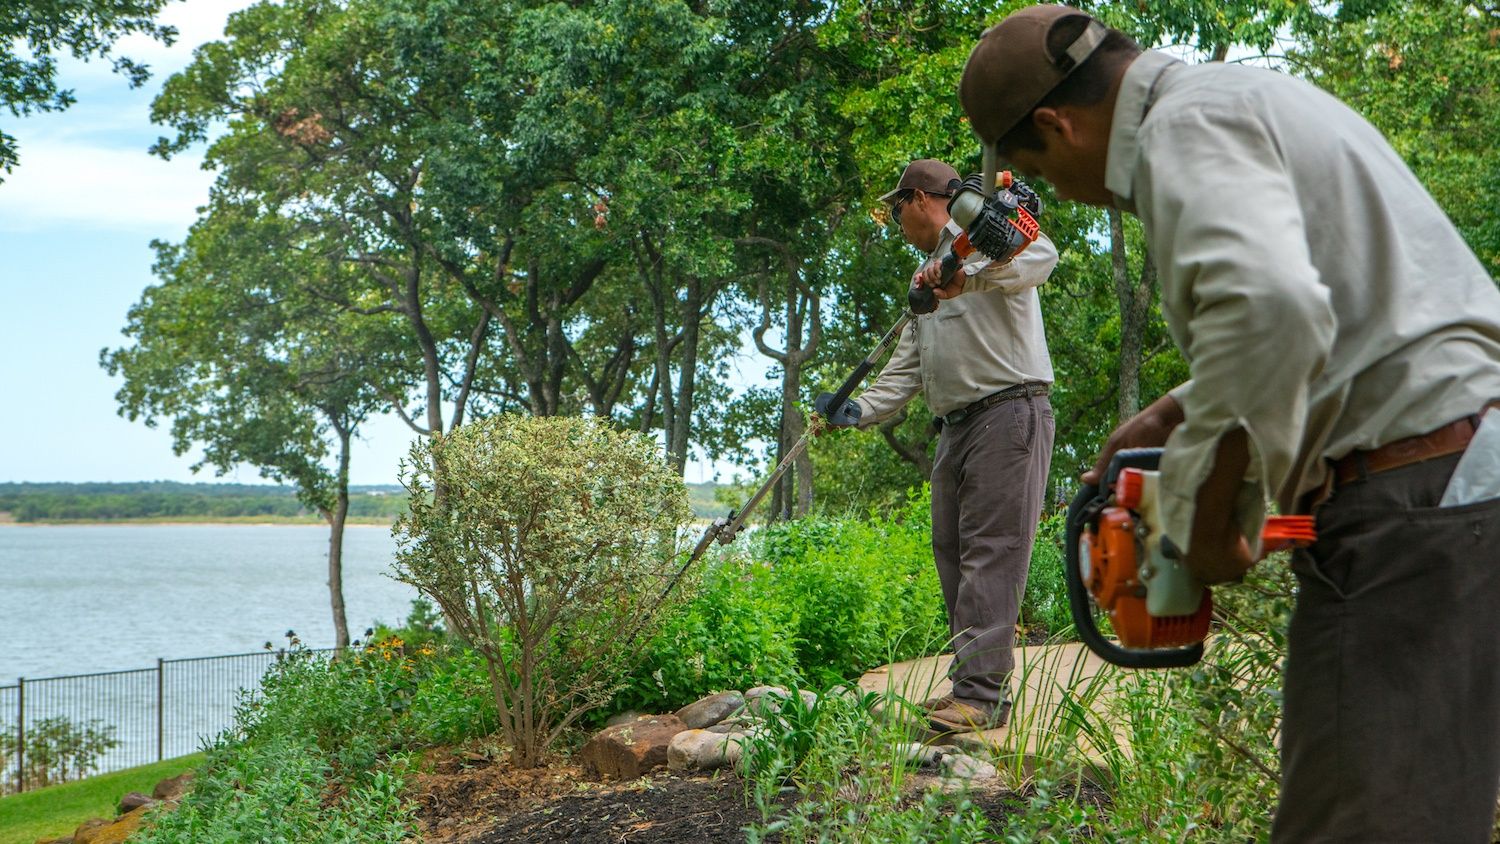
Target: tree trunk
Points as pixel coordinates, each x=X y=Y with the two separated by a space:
x=336 y=520
x=1134 y=300
x=793 y=495
x=681 y=430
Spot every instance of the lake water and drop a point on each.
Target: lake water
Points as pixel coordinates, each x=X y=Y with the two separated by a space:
x=86 y=598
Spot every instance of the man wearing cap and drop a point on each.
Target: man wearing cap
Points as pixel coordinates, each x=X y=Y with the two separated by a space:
x=1343 y=342
x=982 y=363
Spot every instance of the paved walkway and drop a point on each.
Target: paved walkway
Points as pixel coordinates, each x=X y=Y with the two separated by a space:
x=1057 y=700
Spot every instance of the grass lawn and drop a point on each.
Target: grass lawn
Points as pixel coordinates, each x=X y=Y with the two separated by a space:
x=57 y=810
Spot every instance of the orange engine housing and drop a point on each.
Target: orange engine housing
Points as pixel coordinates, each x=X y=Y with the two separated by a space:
x=1113 y=578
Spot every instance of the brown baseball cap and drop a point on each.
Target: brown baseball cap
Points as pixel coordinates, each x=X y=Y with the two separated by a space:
x=1010 y=71
x=927 y=175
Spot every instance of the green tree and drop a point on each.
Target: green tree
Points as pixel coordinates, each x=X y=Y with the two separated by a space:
x=32 y=32
x=246 y=363
x=1427 y=74
x=324 y=130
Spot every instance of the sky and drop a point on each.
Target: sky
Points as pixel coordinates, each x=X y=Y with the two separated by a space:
x=77 y=217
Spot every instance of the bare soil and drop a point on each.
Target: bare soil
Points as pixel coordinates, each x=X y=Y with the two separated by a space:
x=471 y=800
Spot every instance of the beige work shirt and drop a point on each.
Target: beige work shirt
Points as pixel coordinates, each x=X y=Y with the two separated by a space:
x=1323 y=300
x=972 y=345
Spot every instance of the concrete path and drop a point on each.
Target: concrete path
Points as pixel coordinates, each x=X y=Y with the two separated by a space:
x=1057 y=700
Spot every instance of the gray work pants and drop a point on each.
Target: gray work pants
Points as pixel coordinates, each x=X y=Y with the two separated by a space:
x=1391 y=721
x=988 y=479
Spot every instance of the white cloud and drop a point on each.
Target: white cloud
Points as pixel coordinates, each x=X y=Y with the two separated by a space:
x=101 y=187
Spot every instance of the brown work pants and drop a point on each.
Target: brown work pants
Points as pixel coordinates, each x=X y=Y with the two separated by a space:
x=1391 y=728
x=988 y=478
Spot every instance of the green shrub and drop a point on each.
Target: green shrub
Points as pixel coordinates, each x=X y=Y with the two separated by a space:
x=452 y=702
x=728 y=634
x=860 y=593
x=56 y=750
x=321 y=757
x=546 y=541
x=1044 y=608
x=819 y=601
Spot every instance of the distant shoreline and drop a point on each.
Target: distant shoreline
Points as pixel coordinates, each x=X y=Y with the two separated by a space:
x=249 y=521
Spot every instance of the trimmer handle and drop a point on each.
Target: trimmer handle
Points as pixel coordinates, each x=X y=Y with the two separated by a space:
x=1086 y=506
x=920 y=299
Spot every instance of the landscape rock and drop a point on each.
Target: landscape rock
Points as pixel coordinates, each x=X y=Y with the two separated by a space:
x=112 y=833
x=131 y=801
x=625 y=717
x=87 y=828
x=701 y=750
x=711 y=710
x=965 y=767
x=173 y=788
x=765 y=701
x=627 y=751
x=845 y=692
x=925 y=755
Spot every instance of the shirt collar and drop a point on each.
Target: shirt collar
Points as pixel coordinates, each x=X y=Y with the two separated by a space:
x=1124 y=131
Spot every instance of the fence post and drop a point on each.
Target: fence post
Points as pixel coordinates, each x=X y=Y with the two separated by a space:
x=21 y=735
x=159 y=710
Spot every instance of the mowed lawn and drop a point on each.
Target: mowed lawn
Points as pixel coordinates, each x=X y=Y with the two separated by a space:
x=56 y=811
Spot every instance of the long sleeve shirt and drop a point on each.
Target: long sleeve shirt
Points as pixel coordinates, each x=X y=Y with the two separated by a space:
x=972 y=345
x=1324 y=302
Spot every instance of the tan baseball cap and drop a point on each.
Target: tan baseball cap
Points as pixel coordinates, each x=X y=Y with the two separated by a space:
x=927 y=175
x=1010 y=71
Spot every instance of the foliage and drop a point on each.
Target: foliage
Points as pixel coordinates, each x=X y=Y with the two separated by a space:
x=55 y=750
x=1427 y=74
x=547 y=542
x=322 y=756
x=1044 y=607
x=845 y=764
x=34 y=31
x=816 y=601
x=820 y=601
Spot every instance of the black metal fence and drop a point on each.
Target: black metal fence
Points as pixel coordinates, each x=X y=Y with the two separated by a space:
x=120 y=719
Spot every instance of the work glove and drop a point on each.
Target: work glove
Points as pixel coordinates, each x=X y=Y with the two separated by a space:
x=844 y=416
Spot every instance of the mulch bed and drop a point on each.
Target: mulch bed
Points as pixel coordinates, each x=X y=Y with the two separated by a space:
x=475 y=801
x=471 y=800
x=665 y=809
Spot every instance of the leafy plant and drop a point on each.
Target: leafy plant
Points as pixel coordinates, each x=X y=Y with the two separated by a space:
x=843 y=764
x=322 y=757
x=547 y=542
x=55 y=750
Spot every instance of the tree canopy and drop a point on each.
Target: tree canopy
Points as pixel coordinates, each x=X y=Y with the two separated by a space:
x=34 y=32
x=603 y=208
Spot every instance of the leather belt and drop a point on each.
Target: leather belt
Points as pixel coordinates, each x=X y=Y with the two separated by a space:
x=1439 y=442
x=1030 y=388
x=1449 y=439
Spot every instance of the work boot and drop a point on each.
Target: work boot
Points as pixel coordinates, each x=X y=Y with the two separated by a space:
x=968 y=716
x=935 y=703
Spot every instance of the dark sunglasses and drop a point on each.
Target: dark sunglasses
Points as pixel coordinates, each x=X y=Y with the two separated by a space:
x=901 y=200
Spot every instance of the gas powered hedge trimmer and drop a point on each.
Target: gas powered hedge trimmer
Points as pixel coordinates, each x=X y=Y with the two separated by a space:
x=1118 y=559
